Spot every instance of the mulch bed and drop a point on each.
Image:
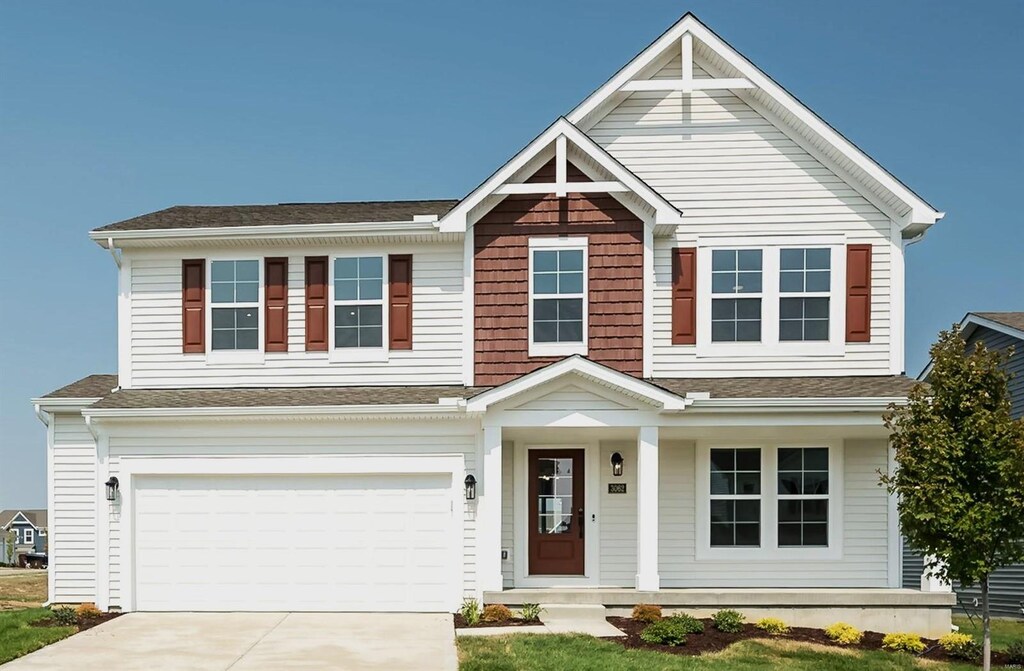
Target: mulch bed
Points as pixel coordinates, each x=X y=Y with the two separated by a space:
x=83 y=623
x=460 y=623
x=713 y=640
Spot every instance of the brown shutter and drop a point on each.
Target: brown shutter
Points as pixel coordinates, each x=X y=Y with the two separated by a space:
x=858 y=293
x=275 y=310
x=400 y=300
x=684 y=296
x=316 y=303
x=193 y=306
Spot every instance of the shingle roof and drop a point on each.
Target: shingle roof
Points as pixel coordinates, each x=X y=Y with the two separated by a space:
x=92 y=386
x=281 y=397
x=881 y=386
x=36 y=516
x=215 y=216
x=1014 y=320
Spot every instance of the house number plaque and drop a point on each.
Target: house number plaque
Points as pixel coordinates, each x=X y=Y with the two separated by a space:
x=616 y=487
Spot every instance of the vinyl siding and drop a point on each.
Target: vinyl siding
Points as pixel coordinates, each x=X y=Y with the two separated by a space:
x=864 y=558
x=72 y=522
x=995 y=340
x=157 y=359
x=617 y=514
x=732 y=172
x=508 y=512
x=225 y=440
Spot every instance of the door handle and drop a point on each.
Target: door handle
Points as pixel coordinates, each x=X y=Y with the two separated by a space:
x=579 y=519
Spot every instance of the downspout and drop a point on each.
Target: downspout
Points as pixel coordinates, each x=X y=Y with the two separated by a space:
x=114 y=252
x=43 y=416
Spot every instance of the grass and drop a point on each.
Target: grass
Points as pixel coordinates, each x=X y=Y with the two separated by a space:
x=540 y=652
x=22 y=590
x=17 y=638
x=1004 y=631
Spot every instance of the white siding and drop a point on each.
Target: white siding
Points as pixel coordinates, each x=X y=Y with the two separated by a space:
x=72 y=526
x=218 y=440
x=865 y=539
x=436 y=357
x=618 y=517
x=508 y=511
x=731 y=171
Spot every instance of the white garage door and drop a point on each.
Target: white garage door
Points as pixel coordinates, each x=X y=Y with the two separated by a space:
x=278 y=543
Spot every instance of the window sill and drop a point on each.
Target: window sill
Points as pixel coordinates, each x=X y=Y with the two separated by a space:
x=230 y=358
x=557 y=349
x=358 y=355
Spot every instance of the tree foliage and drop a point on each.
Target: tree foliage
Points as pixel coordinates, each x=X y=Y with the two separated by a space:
x=960 y=464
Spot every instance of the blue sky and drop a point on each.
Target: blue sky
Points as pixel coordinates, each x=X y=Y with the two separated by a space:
x=112 y=109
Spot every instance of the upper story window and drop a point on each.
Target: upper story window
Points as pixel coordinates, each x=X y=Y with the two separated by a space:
x=29 y=536
x=773 y=298
x=359 y=302
x=736 y=272
x=805 y=281
x=235 y=305
x=558 y=296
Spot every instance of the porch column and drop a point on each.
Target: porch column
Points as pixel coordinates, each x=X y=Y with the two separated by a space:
x=933 y=583
x=647 y=578
x=488 y=518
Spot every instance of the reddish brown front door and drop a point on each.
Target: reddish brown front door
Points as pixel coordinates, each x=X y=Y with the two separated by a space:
x=556 y=514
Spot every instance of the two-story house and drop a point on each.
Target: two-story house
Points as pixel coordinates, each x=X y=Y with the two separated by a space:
x=650 y=353
x=25 y=529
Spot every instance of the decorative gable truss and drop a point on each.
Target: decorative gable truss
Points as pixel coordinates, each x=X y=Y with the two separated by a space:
x=566 y=144
x=723 y=68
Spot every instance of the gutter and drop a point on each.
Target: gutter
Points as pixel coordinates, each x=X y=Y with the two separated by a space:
x=855 y=403
x=444 y=405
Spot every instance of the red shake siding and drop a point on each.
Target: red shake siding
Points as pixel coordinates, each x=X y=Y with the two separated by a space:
x=501 y=266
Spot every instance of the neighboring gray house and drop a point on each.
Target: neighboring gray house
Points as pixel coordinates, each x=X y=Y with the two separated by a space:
x=1000 y=331
x=29 y=527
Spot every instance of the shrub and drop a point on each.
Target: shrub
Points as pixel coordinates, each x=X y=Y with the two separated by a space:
x=902 y=642
x=691 y=625
x=470 y=611
x=646 y=612
x=530 y=611
x=64 y=616
x=496 y=612
x=1015 y=653
x=961 y=646
x=670 y=631
x=727 y=620
x=844 y=634
x=772 y=625
x=87 y=610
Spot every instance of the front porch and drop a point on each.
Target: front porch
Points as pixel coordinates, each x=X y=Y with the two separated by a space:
x=616 y=492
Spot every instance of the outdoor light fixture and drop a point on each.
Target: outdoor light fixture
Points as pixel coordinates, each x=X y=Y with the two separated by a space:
x=616 y=464
x=470 y=487
x=112 y=488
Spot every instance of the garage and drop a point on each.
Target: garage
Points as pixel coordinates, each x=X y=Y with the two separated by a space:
x=353 y=542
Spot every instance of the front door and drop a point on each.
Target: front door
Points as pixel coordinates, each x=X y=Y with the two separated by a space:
x=556 y=514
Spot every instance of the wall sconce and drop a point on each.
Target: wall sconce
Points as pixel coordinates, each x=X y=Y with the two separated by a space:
x=470 y=483
x=616 y=464
x=112 y=488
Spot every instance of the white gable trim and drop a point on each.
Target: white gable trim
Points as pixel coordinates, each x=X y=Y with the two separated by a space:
x=24 y=520
x=587 y=369
x=560 y=134
x=920 y=212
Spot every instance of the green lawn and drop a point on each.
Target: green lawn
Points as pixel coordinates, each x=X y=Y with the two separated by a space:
x=1004 y=632
x=540 y=652
x=17 y=638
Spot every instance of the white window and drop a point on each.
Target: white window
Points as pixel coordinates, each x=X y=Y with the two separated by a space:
x=558 y=296
x=28 y=536
x=803 y=496
x=235 y=305
x=359 y=328
x=771 y=502
x=735 y=500
x=805 y=285
x=736 y=272
x=769 y=296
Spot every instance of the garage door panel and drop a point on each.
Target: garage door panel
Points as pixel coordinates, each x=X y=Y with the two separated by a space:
x=378 y=542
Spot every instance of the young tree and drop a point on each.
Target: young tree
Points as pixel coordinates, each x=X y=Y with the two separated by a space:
x=960 y=468
x=9 y=539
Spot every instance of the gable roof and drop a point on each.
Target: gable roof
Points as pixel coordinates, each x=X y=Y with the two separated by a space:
x=35 y=517
x=1013 y=322
x=458 y=219
x=282 y=214
x=917 y=213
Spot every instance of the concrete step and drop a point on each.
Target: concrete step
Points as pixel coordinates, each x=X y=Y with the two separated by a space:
x=577 y=619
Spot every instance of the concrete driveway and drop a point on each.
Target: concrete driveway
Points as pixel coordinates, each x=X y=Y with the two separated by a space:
x=254 y=642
